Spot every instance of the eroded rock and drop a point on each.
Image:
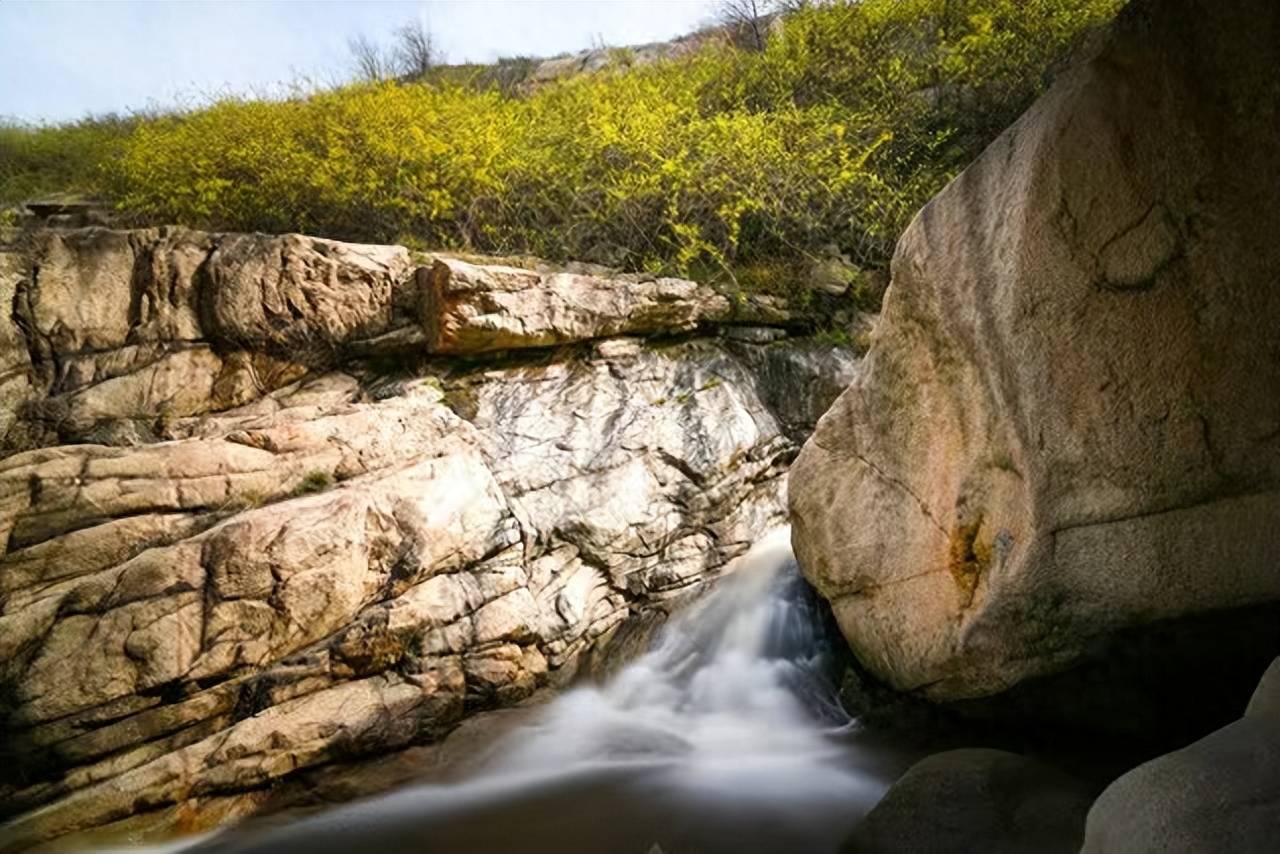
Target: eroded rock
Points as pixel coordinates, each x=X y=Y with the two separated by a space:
x=304 y=296
x=468 y=308
x=1068 y=424
x=257 y=569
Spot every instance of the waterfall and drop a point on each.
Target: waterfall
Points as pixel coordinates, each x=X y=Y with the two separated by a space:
x=738 y=677
x=725 y=736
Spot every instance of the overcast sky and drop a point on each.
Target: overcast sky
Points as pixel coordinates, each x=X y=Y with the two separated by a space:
x=64 y=60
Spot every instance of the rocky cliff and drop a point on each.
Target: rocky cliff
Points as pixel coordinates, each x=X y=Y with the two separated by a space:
x=274 y=502
x=1067 y=429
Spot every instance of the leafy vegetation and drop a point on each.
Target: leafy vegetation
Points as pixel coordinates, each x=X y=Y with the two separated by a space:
x=59 y=158
x=835 y=133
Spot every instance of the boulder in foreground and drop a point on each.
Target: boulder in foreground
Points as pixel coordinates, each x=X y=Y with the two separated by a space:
x=1220 y=794
x=980 y=801
x=1068 y=424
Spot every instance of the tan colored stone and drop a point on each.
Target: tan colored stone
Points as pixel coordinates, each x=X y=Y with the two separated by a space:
x=17 y=381
x=469 y=308
x=302 y=296
x=310 y=568
x=1068 y=424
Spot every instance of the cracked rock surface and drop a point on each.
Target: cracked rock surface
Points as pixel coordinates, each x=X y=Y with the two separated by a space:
x=251 y=525
x=1068 y=423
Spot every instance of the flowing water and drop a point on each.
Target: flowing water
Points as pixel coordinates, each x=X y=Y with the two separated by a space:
x=725 y=736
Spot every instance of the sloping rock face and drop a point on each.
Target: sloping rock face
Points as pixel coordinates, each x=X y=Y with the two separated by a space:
x=226 y=560
x=1068 y=423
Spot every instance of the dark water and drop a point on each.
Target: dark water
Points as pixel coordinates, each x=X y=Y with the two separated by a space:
x=725 y=736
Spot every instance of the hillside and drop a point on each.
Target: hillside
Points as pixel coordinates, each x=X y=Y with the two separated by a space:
x=713 y=161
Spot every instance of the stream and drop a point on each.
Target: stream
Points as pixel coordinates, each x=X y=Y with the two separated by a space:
x=725 y=736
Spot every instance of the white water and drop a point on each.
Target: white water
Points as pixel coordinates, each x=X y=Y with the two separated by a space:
x=725 y=736
x=735 y=684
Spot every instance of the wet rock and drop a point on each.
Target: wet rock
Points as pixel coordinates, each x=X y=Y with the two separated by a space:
x=977 y=800
x=801 y=378
x=1221 y=793
x=1068 y=424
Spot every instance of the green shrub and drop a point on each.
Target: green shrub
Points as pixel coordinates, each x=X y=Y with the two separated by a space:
x=726 y=162
x=317 y=480
x=42 y=159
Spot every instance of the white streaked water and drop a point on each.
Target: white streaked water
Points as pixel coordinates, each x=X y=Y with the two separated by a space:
x=725 y=736
x=738 y=677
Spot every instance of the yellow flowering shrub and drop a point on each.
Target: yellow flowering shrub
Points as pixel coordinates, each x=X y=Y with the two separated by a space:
x=852 y=116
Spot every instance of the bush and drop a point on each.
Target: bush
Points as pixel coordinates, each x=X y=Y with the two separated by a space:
x=43 y=159
x=852 y=116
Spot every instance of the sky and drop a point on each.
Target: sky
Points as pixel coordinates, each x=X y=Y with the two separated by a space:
x=64 y=60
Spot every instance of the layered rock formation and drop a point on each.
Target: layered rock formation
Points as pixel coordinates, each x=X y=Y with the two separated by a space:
x=1068 y=424
x=470 y=309
x=253 y=524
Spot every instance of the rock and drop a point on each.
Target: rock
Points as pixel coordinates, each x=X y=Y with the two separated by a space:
x=17 y=381
x=617 y=455
x=800 y=379
x=468 y=308
x=1221 y=793
x=977 y=800
x=123 y=328
x=96 y=289
x=175 y=384
x=303 y=297
x=556 y=68
x=1068 y=424
x=68 y=209
x=833 y=272
x=118 y=331
x=861 y=327
x=755 y=334
x=258 y=569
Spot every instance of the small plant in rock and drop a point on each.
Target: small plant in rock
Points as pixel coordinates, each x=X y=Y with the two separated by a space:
x=315 y=481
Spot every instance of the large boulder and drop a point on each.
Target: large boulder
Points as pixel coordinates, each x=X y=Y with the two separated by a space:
x=980 y=801
x=1221 y=793
x=1068 y=424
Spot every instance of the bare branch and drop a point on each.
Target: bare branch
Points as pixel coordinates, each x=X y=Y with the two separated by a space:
x=370 y=63
x=746 y=21
x=415 y=51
